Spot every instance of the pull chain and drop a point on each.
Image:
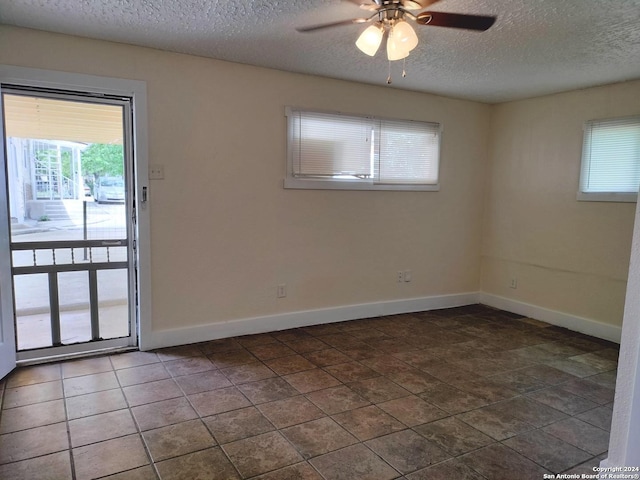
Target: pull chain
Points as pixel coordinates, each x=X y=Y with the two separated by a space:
x=404 y=71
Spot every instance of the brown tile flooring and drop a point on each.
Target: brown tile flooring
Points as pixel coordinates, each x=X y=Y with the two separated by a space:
x=463 y=393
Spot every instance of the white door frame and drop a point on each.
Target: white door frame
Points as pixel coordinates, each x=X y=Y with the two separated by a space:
x=7 y=324
x=624 y=441
x=93 y=85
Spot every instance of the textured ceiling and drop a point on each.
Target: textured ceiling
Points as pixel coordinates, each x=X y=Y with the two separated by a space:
x=536 y=47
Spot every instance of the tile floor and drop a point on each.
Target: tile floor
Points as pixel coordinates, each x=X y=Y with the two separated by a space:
x=463 y=393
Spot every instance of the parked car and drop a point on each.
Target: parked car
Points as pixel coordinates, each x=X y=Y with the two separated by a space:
x=109 y=189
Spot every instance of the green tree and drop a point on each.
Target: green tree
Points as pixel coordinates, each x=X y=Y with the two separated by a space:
x=100 y=159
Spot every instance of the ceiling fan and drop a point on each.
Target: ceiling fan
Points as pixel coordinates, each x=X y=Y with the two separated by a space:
x=388 y=19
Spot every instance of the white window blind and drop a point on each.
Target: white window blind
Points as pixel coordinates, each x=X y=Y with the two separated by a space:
x=409 y=152
x=611 y=156
x=327 y=145
x=348 y=149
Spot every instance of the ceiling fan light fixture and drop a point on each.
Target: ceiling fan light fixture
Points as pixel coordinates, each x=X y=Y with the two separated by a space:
x=396 y=50
x=369 y=41
x=406 y=35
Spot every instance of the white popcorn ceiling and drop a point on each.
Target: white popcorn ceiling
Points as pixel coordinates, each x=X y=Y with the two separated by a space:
x=536 y=47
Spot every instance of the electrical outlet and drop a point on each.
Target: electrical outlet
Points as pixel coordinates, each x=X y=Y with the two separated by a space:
x=400 y=276
x=156 y=172
x=282 y=290
x=514 y=283
x=407 y=275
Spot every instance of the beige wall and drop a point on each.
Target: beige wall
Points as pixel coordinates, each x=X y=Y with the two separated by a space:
x=224 y=232
x=567 y=256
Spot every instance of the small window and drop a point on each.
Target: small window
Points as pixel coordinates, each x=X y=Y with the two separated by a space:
x=336 y=151
x=611 y=160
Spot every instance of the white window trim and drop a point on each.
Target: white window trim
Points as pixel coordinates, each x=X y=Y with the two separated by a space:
x=607 y=197
x=335 y=184
x=619 y=197
x=291 y=182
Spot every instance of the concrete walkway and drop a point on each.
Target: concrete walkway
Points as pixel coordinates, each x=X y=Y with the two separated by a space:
x=32 y=291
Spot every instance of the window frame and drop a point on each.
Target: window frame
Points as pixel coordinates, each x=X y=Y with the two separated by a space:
x=621 y=197
x=292 y=182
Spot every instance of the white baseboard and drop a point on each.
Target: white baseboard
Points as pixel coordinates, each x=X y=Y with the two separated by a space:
x=572 y=322
x=271 y=323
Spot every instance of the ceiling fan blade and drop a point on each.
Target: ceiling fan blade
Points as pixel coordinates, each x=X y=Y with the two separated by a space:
x=313 y=28
x=456 y=20
x=419 y=3
x=371 y=5
x=374 y=5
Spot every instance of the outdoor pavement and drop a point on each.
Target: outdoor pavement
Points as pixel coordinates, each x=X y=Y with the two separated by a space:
x=34 y=331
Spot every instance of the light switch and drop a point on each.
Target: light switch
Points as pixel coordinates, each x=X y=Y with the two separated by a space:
x=156 y=172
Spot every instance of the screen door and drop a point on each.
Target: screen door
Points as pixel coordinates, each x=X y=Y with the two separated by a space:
x=68 y=166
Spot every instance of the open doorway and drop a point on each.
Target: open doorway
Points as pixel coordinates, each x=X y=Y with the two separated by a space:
x=71 y=265
x=68 y=167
